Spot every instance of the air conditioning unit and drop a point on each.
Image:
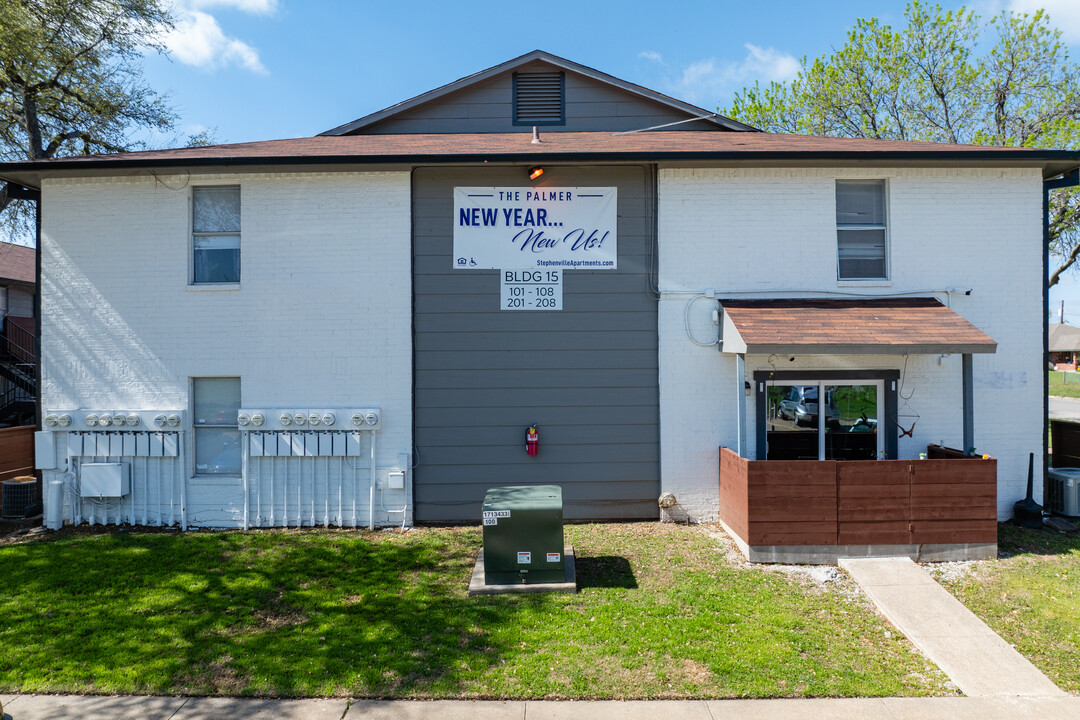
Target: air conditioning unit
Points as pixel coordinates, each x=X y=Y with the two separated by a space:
x=1064 y=496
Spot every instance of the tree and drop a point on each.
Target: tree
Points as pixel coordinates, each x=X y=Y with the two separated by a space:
x=935 y=81
x=70 y=81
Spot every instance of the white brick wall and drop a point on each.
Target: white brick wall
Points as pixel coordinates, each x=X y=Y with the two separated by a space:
x=774 y=229
x=322 y=317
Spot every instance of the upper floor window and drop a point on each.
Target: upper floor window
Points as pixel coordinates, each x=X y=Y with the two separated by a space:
x=539 y=98
x=861 y=230
x=215 y=234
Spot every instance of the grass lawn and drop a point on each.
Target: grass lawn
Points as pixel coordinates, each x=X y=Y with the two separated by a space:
x=1031 y=598
x=663 y=611
x=1064 y=384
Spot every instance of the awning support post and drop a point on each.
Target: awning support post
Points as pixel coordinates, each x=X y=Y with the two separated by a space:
x=740 y=382
x=969 y=405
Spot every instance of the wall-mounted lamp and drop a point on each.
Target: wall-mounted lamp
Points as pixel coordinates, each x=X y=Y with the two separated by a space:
x=535 y=172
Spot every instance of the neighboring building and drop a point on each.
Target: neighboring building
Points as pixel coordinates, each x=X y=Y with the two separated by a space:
x=1064 y=346
x=722 y=281
x=18 y=352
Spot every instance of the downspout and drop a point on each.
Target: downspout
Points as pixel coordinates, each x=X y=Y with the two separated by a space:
x=1070 y=179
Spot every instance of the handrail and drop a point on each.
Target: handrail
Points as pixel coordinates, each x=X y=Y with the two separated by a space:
x=21 y=339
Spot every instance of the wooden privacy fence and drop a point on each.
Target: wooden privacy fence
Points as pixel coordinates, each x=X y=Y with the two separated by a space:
x=16 y=451
x=858 y=502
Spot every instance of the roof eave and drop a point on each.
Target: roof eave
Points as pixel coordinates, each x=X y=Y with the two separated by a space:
x=871 y=349
x=1053 y=162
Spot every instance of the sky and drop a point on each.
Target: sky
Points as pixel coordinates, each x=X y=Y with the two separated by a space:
x=266 y=69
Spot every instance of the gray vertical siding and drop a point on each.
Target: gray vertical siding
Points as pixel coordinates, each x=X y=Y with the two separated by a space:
x=587 y=375
x=487 y=107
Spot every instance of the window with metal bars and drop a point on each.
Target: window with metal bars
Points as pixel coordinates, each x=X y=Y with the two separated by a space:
x=539 y=98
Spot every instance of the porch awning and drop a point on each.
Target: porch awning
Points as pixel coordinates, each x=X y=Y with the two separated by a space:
x=848 y=327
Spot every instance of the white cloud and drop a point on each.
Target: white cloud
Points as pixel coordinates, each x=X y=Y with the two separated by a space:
x=650 y=55
x=1064 y=15
x=197 y=39
x=711 y=81
x=254 y=7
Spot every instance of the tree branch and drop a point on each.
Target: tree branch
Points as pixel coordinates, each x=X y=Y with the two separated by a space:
x=1069 y=261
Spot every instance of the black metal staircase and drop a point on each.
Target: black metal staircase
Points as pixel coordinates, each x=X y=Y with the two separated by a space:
x=18 y=368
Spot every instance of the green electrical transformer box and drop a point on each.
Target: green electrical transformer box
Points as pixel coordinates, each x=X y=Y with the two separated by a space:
x=523 y=535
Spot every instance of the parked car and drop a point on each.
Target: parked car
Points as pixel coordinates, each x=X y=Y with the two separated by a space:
x=801 y=406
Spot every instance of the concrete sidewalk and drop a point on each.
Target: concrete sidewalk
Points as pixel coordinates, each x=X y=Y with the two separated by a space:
x=61 y=707
x=963 y=646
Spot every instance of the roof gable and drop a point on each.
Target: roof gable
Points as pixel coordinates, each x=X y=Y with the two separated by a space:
x=484 y=102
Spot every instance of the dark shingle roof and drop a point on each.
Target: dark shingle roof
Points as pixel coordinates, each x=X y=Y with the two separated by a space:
x=555 y=147
x=826 y=326
x=17 y=263
x=391 y=147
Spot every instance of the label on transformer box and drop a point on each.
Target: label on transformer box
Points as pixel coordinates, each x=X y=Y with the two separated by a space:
x=496 y=513
x=524 y=558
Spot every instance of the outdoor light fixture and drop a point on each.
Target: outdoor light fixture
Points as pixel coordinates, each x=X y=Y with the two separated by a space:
x=536 y=172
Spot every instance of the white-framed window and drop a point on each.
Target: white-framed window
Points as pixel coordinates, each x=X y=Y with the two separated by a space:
x=215 y=402
x=215 y=234
x=861 y=230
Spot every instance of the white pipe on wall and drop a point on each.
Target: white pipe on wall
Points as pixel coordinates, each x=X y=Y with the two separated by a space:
x=146 y=488
x=355 y=487
x=340 y=498
x=131 y=516
x=183 y=480
x=272 y=518
x=244 y=452
x=160 y=473
x=172 y=491
x=371 y=486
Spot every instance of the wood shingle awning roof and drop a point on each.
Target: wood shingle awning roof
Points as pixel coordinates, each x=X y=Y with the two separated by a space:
x=894 y=326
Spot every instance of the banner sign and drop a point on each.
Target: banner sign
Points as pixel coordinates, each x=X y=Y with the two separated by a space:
x=566 y=228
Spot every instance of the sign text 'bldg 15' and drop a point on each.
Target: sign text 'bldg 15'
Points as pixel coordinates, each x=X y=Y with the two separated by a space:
x=568 y=228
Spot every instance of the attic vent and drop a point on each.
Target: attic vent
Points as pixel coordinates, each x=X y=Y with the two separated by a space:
x=539 y=98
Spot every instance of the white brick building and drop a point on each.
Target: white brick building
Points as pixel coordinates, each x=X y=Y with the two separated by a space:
x=325 y=275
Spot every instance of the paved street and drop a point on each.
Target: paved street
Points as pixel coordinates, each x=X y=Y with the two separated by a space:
x=1065 y=408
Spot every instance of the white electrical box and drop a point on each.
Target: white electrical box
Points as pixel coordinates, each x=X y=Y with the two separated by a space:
x=44 y=450
x=395 y=480
x=104 y=479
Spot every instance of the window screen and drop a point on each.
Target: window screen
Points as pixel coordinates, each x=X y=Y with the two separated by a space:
x=216 y=234
x=216 y=402
x=861 y=230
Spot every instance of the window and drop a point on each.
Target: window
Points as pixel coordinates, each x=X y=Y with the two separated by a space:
x=215 y=234
x=826 y=414
x=861 y=231
x=539 y=98
x=216 y=402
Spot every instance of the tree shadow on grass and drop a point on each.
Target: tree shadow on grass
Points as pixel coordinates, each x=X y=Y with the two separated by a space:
x=299 y=613
x=605 y=571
